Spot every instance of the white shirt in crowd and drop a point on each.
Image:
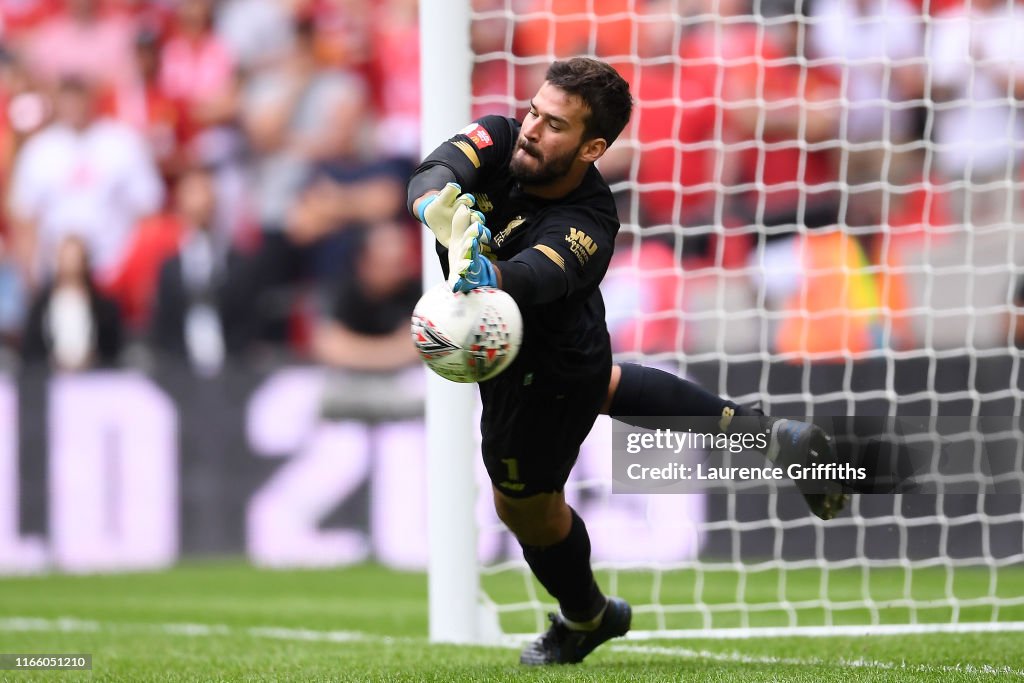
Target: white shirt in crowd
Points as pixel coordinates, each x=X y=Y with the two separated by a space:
x=96 y=183
x=977 y=132
x=257 y=32
x=869 y=38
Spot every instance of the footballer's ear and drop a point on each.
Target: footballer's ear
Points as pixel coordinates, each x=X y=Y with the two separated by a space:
x=592 y=150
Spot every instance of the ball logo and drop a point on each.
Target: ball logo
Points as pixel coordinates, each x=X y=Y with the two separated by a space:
x=429 y=340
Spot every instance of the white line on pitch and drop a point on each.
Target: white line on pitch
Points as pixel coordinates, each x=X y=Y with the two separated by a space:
x=768 y=660
x=72 y=625
x=831 y=631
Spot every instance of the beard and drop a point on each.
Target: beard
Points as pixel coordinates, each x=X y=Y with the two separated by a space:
x=546 y=171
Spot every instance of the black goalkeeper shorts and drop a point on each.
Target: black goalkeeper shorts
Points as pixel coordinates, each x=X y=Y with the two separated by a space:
x=532 y=430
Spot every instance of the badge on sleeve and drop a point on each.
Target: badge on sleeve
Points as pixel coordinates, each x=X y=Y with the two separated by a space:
x=478 y=134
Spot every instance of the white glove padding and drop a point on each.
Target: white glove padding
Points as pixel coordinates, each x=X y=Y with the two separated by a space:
x=437 y=211
x=468 y=262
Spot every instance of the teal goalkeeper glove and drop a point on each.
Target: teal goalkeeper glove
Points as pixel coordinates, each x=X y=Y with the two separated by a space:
x=468 y=264
x=437 y=211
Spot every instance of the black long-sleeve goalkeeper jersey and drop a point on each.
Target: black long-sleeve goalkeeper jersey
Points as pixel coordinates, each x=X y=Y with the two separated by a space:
x=552 y=253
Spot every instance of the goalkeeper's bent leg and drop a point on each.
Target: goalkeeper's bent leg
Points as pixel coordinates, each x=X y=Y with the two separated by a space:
x=562 y=565
x=648 y=392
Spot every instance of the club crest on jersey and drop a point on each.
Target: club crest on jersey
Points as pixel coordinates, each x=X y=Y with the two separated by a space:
x=503 y=235
x=430 y=342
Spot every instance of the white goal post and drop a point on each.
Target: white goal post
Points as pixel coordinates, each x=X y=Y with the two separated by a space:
x=902 y=299
x=446 y=64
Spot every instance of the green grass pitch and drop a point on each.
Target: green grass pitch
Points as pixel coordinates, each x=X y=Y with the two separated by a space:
x=226 y=621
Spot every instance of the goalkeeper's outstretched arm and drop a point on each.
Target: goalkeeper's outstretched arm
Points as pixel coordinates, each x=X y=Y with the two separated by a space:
x=459 y=165
x=435 y=193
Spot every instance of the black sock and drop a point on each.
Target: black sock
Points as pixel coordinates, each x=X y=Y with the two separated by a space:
x=649 y=392
x=564 y=570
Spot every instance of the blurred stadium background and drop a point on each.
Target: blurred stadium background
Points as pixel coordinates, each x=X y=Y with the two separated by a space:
x=206 y=270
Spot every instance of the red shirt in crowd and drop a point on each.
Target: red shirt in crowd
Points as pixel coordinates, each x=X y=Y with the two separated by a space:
x=675 y=125
x=744 y=66
x=195 y=71
x=22 y=16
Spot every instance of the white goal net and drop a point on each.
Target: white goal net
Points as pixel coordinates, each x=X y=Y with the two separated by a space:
x=820 y=204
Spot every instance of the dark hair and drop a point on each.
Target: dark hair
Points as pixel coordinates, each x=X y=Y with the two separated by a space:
x=75 y=83
x=147 y=37
x=601 y=88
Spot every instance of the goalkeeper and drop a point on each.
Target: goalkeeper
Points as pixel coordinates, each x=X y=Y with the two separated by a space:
x=543 y=229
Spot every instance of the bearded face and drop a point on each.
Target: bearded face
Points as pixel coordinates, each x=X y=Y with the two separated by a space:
x=550 y=139
x=531 y=166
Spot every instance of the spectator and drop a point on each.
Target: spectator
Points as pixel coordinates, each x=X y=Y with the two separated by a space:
x=348 y=193
x=298 y=115
x=198 y=72
x=323 y=225
x=197 y=69
x=878 y=45
x=833 y=310
x=257 y=32
x=396 y=77
x=975 y=58
x=676 y=126
x=694 y=149
x=917 y=222
x=368 y=328
x=156 y=239
x=778 y=122
x=342 y=31
x=652 y=290
x=83 y=174
x=194 y=317
x=71 y=325
x=82 y=41
x=791 y=114
x=143 y=103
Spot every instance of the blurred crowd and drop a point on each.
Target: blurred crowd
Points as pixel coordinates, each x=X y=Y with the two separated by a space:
x=212 y=179
x=206 y=179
